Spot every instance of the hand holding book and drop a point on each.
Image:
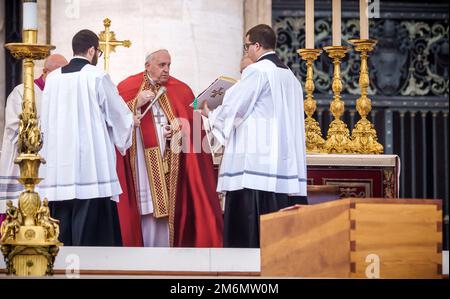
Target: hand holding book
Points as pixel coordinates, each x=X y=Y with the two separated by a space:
x=214 y=94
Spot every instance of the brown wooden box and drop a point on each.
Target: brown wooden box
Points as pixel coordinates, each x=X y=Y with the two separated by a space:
x=396 y=238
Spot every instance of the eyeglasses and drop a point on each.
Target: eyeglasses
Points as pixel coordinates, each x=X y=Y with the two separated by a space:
x=247 y=45
x=100 y=52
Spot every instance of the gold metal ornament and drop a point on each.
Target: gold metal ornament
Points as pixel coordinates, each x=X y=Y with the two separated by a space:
x=108 y=42
x=314 y=140
x=338 y=136
x=364 y=136
x=29 y=240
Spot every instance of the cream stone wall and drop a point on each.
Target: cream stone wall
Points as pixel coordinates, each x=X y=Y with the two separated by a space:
x=257 y=12
x=204 y=36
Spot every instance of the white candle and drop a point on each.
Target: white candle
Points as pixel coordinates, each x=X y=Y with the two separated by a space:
x=336 y=22
x=30 y=15
x=309 y=24
x=363 y=20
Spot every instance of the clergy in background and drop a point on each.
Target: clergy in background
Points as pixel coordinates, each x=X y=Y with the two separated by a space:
x=261 y=125
x=245 y=62
x=10 y=188
x=169 y=196
x=83 y=119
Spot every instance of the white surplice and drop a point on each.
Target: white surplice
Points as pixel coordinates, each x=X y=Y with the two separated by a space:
x=9 y=172
x=261 y=125
x=83 y=118
x=155 y=232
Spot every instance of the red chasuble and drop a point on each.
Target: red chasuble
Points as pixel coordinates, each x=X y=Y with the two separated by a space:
x=183 y=185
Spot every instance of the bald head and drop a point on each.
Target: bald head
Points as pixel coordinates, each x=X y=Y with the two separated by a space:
x=53 y=62
x=245 y=62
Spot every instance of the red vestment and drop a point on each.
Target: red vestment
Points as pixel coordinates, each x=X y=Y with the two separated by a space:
x=195 y=216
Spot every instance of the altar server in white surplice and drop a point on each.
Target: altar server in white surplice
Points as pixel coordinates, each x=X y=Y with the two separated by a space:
x=10 y=188
x=261 y=125
x=83 y=119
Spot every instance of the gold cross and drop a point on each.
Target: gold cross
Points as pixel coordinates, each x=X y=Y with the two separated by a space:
x=108 y=42
x=219 y=92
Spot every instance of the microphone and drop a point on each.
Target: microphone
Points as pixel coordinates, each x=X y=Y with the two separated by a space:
x=160 y=92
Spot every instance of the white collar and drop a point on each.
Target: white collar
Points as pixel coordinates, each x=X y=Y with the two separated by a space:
x=80 y=57
x=265 y=54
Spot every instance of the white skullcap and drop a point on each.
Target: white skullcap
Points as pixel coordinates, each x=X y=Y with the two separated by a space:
x=154 y=50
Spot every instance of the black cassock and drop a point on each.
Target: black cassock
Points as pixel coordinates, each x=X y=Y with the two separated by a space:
x=243 y=207
x=86 y=222
x=241 y=225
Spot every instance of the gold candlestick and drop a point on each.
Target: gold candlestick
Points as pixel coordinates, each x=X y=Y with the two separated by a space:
x=29 y=239
x=338 y=136
x=364 y=136
x=314 y=140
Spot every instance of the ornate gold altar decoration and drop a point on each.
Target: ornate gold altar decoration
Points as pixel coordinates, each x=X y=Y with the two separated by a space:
x=338 y=136
x=108 y=42
x=29 y=240
x=364 y=137
x=314 y=140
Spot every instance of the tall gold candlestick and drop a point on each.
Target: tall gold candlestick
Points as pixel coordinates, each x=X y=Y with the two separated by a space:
x=29 y=240
x=364 y=136
x=314 y=140
x=338 y=136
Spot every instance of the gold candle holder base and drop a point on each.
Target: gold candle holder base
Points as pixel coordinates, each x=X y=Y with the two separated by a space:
x=314 y=140
x=364 y=138
x=338 y=135
x=29 y=236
